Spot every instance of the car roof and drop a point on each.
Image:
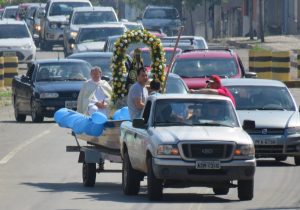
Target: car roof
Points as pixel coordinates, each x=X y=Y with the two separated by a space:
x=161 y=7
x=165 y=49
x=190 y=96
x=68 y=1
x=44 y=61
x=252 y=82
x=11 y=7
x=91 y=54
x=206 y=53
x=86 y=9
x=6 y=21
x=104 y=25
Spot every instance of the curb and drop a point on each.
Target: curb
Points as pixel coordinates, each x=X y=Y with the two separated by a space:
x=238 y=44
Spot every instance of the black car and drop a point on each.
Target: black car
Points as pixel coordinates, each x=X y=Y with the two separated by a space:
x=48 y=86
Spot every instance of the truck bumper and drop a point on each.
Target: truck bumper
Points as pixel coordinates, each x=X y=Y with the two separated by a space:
x=186 y=171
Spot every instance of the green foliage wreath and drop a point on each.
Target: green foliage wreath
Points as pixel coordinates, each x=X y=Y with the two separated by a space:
x=119 y=59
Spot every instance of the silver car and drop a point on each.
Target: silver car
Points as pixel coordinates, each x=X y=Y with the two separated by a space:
x=277 y=121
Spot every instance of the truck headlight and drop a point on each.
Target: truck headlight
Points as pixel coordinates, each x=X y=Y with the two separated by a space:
x=293 y=130
x=53 y=25
x=37 y=27
x=49 y=95
x=244 y=150
x=73 y=34
x=167 y=149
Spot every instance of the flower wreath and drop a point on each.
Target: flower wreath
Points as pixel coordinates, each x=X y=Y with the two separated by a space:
x=119 y=59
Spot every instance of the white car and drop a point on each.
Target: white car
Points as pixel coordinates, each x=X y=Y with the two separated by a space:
x=93 y=37
x=15 y=39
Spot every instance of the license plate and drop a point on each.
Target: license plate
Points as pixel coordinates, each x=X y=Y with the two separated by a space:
x=265 y=142
x=208 y=165
x=71 y=104
x=9 y=53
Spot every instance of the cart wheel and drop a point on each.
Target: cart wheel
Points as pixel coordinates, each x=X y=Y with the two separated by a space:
x=89 y=174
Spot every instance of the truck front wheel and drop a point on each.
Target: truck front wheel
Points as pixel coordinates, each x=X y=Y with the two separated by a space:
x=89 y=174
x=130 y=177
x=297 y=160
x=155 y=186
x=245 y=189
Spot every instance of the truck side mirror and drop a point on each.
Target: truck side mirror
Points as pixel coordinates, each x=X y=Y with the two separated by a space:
x=249 y=125
x=250 y=74
x=42 y=14
x=138 y=123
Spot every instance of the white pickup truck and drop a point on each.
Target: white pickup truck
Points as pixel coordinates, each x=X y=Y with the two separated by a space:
x=187 y=140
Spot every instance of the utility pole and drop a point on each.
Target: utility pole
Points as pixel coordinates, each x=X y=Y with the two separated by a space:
x=261 y=20
x=250 y=3
x=205 y=21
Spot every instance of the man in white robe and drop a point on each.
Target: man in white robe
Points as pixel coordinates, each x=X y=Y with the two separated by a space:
x=95 y=94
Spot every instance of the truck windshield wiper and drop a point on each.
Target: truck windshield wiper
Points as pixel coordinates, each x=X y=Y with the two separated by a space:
x=271 y=108
x=213 y=124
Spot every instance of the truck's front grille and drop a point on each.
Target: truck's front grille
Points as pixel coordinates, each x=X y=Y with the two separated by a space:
x=207 y=151
x=268 y=149
x=69 y=95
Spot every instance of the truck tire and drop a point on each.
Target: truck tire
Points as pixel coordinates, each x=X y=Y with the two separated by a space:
x=245 y=189
x=130 y=177
x=281 y=158
x=155 y=186
x=89 y=174
x=221 y=190
x=36 y=117
x=297 y=160
x=18 y=117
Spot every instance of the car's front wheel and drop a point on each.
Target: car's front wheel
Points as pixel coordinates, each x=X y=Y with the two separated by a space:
x=155 y=186
x=35 y=115
x=130 y=177
x=245 y=189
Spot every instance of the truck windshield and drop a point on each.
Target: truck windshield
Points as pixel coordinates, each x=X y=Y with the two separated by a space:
x=76 y=71
x=98 y=34
x=201 y=112
x=65 y=8
x=94 y=17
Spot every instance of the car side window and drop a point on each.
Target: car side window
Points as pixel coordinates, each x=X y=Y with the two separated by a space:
x=146 y=113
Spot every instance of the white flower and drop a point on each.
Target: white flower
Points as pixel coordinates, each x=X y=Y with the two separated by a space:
x=125 y=41
x=160 y=67
x=150 y=39
x=157 y=59
x=122 y=95
x=121 y=45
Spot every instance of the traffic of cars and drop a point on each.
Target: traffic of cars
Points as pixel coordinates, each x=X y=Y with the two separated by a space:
x=212 y=151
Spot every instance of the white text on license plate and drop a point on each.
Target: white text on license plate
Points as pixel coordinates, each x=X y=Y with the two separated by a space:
x=208 y=165
x=71 y=104
x=265 y=142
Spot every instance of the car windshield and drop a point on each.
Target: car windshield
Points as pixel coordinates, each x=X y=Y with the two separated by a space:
x=10 y=13
x=161 y=13
x=262 y=98
x=65 y=8
x=131 y=26
x=184 y=44
x=175 y=85
x=147 y=57
x=191 y=112
x=204 y=67
x=98 y=34
x=76 y=71
x=94 y=17
x=103 y=62
x=13 y=31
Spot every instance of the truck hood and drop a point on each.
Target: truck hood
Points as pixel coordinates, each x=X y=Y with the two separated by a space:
x=90 y=46
x=270 y=118
x=174 y=134
x=59 y=18
x=59 y=86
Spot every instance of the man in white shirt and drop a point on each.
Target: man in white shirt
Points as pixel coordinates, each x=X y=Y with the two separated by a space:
x=95 y=94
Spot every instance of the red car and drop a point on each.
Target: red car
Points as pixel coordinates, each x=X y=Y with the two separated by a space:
x=196 y=66
x=146 y=56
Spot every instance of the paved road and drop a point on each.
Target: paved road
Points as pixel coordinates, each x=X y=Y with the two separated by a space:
x=37 y=173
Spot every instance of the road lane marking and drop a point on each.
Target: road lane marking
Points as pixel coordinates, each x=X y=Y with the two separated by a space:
x=12 y=153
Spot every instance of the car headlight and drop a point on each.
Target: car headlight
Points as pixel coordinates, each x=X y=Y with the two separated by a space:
x=49 y=95
x=37 y=27
x=53 y=25
x=293 y=130
x=244 y=150
x=73 y=34
x=167 y=149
